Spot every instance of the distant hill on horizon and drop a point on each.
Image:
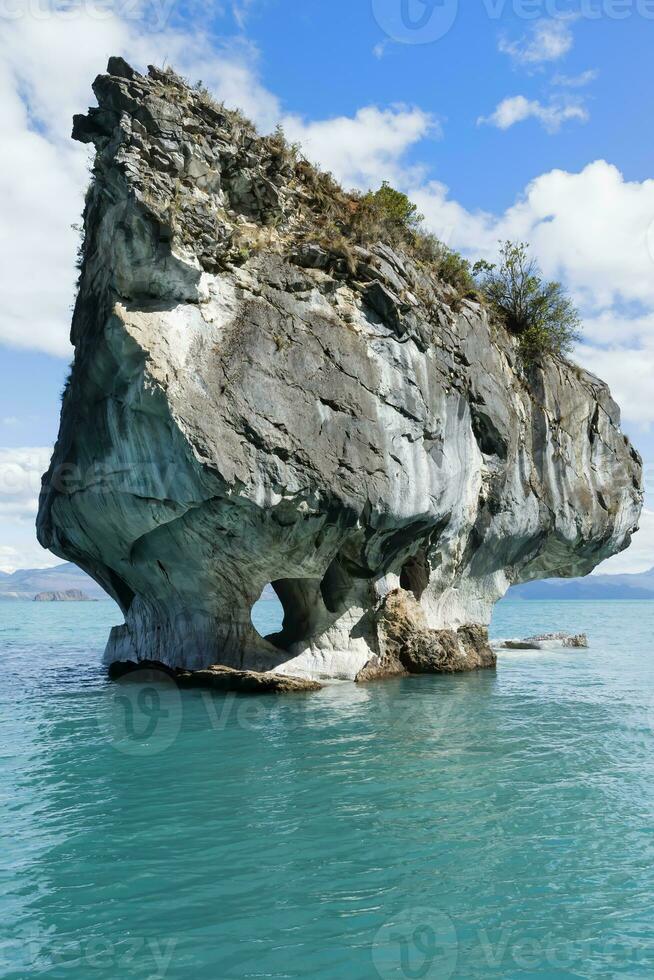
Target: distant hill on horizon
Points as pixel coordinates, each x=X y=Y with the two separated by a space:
x=607 y=587
x=29 y=582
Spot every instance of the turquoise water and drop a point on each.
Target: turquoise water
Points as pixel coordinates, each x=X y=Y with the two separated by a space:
x=498 y=824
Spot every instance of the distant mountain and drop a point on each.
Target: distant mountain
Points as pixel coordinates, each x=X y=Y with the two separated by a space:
x=26 y=583
x=605 y=587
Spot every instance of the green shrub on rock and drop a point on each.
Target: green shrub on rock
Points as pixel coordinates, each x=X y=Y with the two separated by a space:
x=538 y=312
x=447 y=264
x=392 y=211
x=389 y=215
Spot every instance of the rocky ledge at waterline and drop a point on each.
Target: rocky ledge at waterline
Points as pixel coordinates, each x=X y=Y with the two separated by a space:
x=254 y=401
x=215 y=678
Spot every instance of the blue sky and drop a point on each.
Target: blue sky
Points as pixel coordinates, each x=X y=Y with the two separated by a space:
x=502 y=119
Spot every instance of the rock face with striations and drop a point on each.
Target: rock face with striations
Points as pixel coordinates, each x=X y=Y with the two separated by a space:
x=250 y=405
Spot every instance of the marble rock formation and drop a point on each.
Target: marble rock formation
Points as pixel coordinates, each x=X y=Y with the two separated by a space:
x=250 y=404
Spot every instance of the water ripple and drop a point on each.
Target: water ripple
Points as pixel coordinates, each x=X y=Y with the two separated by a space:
x=509 y=815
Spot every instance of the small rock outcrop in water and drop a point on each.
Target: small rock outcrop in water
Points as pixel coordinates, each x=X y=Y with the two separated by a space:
x=546 y=641
x=250 y=404
x=69 y=595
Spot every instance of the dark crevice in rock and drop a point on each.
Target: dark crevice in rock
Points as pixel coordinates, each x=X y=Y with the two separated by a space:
x=414 y=576
x=118 y=587
x=488 y=436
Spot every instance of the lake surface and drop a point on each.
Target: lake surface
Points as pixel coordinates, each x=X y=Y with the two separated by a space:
x=498 y=824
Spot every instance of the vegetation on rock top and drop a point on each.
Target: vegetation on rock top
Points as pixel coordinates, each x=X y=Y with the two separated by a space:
x=321 y=212
x=536 y=311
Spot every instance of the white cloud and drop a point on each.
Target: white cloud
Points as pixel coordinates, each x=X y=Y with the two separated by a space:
x=612 y=328
x=241 y=12
x=42 y=173
x=367 y=148
x=630 y=374
x=41 y=188
x=592 y=229
x=518 y=108
x=548 y=40
x=46 y=68
x=620 y=350
x=20 y=479
x=576 y=81
x=26 y=554
x=639 y=557
x=20 y=483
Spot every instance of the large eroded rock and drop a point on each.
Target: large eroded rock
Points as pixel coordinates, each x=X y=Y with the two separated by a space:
x=248 y=405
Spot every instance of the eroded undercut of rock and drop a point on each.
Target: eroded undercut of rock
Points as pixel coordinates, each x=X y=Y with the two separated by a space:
x=248 y=406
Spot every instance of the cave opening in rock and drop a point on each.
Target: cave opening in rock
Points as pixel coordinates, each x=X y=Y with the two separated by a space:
x=267 y=613
x=414 y=576
x=285 y=613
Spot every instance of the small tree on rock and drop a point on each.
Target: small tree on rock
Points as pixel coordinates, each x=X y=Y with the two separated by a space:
x=539 y=313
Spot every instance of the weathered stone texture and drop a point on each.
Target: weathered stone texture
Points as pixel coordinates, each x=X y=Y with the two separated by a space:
x=250 y=406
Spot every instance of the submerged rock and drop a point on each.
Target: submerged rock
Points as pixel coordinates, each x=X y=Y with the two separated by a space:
x=546 y=641
x=252 y=403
